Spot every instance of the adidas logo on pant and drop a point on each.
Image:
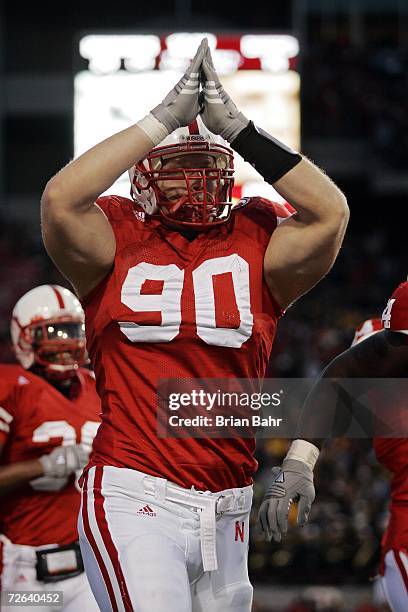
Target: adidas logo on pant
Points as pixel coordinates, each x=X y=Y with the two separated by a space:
x=146 y=510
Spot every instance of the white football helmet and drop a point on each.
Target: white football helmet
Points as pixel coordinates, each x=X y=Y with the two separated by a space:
x=48 y=329
x=366 y=329
x=197 y=195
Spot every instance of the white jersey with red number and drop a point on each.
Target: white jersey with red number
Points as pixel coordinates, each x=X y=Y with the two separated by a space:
x=34 y=419
x=179 y=308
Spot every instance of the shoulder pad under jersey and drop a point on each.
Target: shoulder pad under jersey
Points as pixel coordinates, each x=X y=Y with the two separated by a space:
x=282 y=210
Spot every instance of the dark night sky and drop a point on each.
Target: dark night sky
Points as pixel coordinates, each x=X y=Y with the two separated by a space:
x=39 y=38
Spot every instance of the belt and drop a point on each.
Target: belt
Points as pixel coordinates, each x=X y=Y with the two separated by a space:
x=210 y=505
x=61 y=563
x=53 y=562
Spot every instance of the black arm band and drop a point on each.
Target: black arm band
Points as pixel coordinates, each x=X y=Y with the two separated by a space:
x=271 y=158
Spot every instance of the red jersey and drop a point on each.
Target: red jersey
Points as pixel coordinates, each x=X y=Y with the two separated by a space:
x=34 y=419
x=178 y=308
x=393 y=452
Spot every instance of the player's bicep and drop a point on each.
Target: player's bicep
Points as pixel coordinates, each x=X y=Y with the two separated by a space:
x=386 y=354
x=81 y=244
x=382 y=355
x=298 y=256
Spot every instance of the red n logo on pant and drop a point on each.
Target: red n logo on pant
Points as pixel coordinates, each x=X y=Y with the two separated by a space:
x=239 y=530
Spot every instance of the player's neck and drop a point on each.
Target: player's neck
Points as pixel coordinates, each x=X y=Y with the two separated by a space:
x=66 y=386
x=189 y=234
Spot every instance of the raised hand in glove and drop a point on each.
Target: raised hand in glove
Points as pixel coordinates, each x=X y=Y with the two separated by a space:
x=64 y=460
x=293 y=482
x=181 y=105
x=219 y=113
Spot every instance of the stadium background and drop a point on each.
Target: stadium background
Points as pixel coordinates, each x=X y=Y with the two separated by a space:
x=354 y=124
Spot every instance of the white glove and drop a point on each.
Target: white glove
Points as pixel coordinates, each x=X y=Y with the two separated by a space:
x=220 y=114
x=64 y=460
x=293 y=482
x=181 y=106
x=49 y=483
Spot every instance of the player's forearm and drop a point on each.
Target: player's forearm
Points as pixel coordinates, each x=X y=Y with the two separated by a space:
x=81 y=182
x=77 y=186
x=315 y=197
x=16 y=474
x=331 y=402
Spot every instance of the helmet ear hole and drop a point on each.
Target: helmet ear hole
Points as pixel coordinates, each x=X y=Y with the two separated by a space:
x=141 y=190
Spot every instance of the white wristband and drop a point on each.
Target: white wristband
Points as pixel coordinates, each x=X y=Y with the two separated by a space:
x=303 y=451
x=153 y=128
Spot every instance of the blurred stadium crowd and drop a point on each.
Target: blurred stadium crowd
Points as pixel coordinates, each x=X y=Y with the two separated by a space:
x=340 y=543
x=354 y=92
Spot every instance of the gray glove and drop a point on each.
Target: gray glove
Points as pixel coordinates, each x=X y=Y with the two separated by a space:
x=64 y=460
x=219 y=114
x=181 y=106
x=293 y=482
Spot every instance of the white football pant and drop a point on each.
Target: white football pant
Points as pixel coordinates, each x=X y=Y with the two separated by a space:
x=151 y=546
x=19 y=574
x=395 y=580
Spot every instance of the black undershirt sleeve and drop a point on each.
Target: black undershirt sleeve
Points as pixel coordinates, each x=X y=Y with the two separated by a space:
x=334 y=399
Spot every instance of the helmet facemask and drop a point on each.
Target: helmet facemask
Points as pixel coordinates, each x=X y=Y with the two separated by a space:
x=190 y=182
x=57 y=345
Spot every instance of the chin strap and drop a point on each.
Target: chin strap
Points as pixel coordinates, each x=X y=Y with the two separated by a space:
x=173 y=208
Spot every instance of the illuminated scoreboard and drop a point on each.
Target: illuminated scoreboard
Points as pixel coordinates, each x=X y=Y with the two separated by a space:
x=127 y=75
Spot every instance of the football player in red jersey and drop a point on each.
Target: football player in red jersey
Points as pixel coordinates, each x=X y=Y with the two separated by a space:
x=176 y=283
x=49 y=415
x=379 y=350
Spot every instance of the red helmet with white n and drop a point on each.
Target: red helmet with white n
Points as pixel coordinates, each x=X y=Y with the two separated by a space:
x=395 y=315
x=188 y=178
x=48 y=330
